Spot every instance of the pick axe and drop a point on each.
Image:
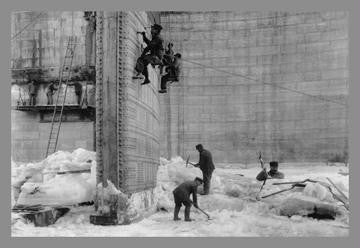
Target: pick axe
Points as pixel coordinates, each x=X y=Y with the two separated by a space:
x=188 y=162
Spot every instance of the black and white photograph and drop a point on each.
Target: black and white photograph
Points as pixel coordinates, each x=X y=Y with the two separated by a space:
x=143 y=123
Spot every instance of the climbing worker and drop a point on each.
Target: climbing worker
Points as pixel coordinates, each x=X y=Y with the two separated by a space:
x=207 y=167
x=168 y=57
x=32 y=93
x=172 y=75
x=152 y=54
x=50 y=91
x=182 y=196
x=273 y=172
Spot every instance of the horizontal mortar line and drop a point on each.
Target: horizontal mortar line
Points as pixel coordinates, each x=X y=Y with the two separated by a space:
x=131 y=158
x=313 y=104
x=136 y=128
x=155 y=139
x=144 y=106
x=216 y=122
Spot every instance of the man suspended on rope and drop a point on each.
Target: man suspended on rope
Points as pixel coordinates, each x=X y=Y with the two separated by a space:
x=182 y=196
x=207 y=167
x=152 y=54
x=172 y=75
x=168 y=57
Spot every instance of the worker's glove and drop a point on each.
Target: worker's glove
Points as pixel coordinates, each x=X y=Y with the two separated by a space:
x=143 y=33
x=195 y=205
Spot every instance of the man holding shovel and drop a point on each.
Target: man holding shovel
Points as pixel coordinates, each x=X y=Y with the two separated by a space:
x=182 y=196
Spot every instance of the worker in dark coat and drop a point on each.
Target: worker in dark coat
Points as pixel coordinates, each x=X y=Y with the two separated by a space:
x=172 y=75
x=207 y=167
x=182 y=196
x=152 y=54
x=32 y=93
x=272 y=173
x=50 y=91
x=78 y=91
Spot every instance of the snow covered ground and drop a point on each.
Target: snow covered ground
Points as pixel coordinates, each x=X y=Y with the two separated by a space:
x=232 y=204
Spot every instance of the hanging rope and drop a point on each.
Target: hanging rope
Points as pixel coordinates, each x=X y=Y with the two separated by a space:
x=262 y=82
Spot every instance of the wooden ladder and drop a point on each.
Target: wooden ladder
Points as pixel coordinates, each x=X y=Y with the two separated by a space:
x=64 y=76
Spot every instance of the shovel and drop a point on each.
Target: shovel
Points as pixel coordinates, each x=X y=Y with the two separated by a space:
x=208 y=216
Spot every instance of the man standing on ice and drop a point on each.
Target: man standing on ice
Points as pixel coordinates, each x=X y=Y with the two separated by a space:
x=182 y=196
x=207 y=167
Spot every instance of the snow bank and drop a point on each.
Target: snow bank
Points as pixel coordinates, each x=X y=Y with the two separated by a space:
x=40 y=184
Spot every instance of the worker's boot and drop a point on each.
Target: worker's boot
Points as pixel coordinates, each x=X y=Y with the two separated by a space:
x=176 y=213
x=187 y=213
x=146 y=81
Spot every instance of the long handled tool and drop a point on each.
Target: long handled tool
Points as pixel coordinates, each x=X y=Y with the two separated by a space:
x=188 y=162
x=208 y=216
x=304 y=181
x=293 y=186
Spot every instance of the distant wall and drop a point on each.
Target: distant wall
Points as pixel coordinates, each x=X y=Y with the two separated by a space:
x=235 y=117
x=38 y=45
x=29 y=136
x=42 y=44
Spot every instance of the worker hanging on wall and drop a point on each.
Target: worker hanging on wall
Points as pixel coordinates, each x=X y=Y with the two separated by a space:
x=168 y=57
x=172 y=72
x=152 y=54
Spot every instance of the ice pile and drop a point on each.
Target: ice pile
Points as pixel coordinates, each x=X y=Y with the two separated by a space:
x=44 y=186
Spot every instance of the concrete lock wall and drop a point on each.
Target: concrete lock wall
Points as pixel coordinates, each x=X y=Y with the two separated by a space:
x=38 y=50
x=235 y=117
x=127 y=113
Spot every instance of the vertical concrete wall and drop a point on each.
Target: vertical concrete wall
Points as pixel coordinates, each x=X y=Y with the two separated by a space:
x=38 y=46
x=39 y=40
x=127 y=116
x=29 y=136
x=236 y=117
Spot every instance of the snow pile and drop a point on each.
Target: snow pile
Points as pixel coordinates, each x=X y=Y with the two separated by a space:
x=174 y=172
x=318 y=191
x=40 y=184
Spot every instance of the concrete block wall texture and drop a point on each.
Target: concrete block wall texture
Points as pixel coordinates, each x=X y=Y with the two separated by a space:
x=127 y=116
x=39 y=39
x=29 y=136
x=235 y=117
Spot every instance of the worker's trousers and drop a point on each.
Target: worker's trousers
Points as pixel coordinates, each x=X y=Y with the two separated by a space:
x=207 y=181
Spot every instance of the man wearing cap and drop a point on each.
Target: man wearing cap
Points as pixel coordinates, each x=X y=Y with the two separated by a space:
x=152 y=54
x=182 y=196
x=32 y=93
x=172 y=75
x=207 y=167
x=273 y=172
